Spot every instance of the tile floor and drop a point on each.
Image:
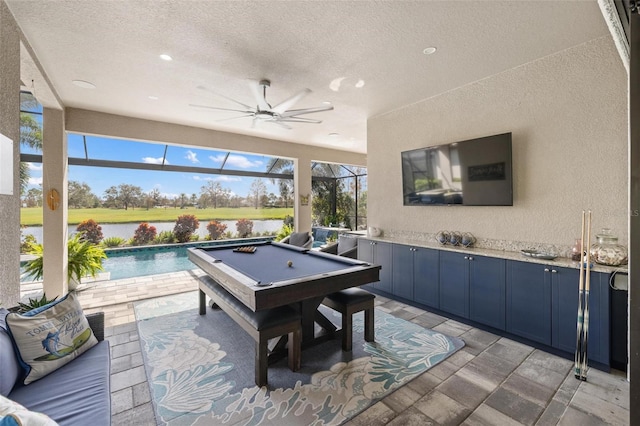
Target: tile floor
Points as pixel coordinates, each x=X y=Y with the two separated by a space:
x=491 y=381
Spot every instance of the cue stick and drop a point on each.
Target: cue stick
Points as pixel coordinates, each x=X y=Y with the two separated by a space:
x=585 y=318
x=577 y=359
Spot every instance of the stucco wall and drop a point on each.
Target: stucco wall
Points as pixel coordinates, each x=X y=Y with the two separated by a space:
x=568 y=116
x=9 y=119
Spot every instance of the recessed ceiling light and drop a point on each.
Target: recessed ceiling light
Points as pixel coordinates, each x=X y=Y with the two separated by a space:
x=429 y=50
x=153 y=98
x=84 y=84
x=334 y=135
x=360 y=84
x=166 y=57
x=326 y=103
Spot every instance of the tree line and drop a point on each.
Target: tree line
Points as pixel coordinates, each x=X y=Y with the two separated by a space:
x=128 y=196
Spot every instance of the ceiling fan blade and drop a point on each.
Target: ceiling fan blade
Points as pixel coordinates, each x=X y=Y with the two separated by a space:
x=258 y=93
x=220 y=109
x=299 y=120
x=294 y=112
x=285 y=105
x=235 y=118
x=280 y=123
x=225 y=97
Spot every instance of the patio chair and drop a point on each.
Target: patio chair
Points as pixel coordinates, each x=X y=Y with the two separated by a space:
x=299 y=239
x=346 y=246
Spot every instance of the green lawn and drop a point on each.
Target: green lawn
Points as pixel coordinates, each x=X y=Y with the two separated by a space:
x=33 y=216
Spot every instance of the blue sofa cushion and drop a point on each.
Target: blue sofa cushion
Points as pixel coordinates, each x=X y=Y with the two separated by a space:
x=76 y=394
x=14 y=414
x=9 y=366
x=51 y=337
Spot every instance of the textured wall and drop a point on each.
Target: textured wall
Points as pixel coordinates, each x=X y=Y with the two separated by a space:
x=568 y=116
x=9 y=119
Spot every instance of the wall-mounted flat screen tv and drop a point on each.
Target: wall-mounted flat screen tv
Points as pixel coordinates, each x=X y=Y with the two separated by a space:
x=476 y=172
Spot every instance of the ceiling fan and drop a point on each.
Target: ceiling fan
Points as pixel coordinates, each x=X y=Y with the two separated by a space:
x=264 y=112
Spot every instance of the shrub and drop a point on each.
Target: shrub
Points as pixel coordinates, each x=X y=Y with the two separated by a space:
x=91 y=231
x=216 y=229
x=144 y=234
x=165 y=237
x=185 y=226
x=244 y=227
x=27 y=243
x=113 y=242
x=284 y=232
x=288 y=220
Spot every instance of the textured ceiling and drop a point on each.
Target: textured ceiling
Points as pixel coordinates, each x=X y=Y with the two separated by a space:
x=308 y=44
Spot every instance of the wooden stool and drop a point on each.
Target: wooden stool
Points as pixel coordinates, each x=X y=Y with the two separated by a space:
x=348 y=302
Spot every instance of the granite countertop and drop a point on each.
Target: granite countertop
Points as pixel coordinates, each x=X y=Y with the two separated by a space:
x=509 y=255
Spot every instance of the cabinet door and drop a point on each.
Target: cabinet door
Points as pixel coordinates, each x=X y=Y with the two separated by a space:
x=382 y=255
x=365 y=250
x=454 y=283
x=487 y=286
x=528 y=304
x=426 y=276
x=564 y=287
x=403 y=271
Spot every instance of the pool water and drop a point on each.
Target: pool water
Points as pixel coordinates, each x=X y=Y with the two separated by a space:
x=147 y=262
x=141 y=261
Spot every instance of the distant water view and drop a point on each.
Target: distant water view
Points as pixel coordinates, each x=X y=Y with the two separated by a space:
x=126 y=230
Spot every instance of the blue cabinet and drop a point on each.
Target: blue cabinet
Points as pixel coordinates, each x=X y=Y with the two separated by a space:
x=528 y=303
x=378 y=253
x=415 y=274
x=454 y=283
x=473 y=287
x=564 y=311
x=487 y=288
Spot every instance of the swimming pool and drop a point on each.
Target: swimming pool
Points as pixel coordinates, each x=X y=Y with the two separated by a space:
x=139 y=261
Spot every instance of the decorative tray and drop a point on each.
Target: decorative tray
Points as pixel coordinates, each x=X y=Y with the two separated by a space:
x=538 y=254
x=245 y=249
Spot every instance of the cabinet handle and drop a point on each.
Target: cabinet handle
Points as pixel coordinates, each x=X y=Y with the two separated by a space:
x=470 y=257
x=554 y=271
x=546 y=269
x=466 y=258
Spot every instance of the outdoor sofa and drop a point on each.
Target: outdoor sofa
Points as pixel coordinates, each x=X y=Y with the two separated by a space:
x=78 y=393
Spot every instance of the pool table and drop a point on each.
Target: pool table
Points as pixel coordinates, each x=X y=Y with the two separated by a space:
x=278 y=274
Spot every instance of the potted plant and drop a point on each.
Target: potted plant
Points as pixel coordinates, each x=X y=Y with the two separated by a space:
x=84 y=258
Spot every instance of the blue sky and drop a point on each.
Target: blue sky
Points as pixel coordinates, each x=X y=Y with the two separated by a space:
x=168 y=183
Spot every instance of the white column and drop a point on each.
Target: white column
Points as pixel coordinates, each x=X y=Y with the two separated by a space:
x=302 y=186
x=10 y=128
x=54 y=210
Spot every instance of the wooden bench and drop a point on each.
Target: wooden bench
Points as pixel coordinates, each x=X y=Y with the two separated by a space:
x=261 y=325
x=348 y=302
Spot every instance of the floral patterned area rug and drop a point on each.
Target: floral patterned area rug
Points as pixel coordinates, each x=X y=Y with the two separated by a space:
x=201 y=368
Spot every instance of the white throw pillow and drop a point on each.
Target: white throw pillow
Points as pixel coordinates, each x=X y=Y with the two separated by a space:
x=51 y=336
x=12 y=413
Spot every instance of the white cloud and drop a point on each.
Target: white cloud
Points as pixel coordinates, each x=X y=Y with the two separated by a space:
x=191 y=156
x=35 y=181
x=237 y=160
x=33 y=166
x=151 y=160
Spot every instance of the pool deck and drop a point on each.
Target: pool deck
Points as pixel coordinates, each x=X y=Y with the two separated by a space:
x=492 y=380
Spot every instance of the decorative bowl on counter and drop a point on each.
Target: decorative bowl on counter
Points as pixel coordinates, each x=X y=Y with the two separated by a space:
x=442 y=237
x=468 y=239
x=538 y=255
x=607 y=251
x=373 y=231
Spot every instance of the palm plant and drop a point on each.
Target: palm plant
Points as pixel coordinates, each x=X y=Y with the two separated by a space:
x=84 y=259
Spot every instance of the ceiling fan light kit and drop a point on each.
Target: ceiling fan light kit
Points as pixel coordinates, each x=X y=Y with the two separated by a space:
x=264 y=112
